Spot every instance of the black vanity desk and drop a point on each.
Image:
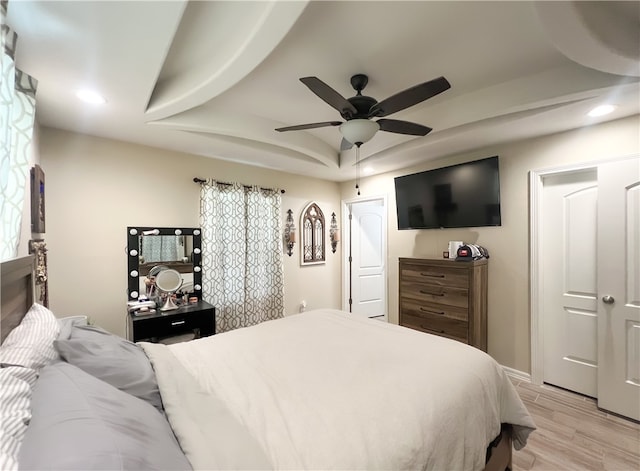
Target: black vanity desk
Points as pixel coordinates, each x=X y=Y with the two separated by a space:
x=199 y=318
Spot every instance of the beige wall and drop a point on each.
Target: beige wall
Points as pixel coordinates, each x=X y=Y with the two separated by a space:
x=95 y=188
x=508 y=245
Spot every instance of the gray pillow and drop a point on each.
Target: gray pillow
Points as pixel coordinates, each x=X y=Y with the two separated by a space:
x=66 y=325
x=112 y=359
x=81 y=423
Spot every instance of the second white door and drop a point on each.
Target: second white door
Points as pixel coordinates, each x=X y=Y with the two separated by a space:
x=619 y=287
x=365 y=263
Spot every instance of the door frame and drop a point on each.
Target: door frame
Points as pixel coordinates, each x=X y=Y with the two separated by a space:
x=536 y=178
x=346 y=231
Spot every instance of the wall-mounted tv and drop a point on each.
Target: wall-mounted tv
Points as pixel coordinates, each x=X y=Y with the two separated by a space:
x=463 y=195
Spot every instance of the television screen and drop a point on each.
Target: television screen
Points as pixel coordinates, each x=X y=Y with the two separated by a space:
x=463 y=195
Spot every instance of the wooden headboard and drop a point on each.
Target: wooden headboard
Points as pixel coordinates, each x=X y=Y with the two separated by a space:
x=16 y=294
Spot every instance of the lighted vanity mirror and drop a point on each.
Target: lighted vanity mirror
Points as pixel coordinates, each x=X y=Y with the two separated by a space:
x=177 y=248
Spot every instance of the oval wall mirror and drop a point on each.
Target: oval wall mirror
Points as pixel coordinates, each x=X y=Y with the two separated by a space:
x=169 y=281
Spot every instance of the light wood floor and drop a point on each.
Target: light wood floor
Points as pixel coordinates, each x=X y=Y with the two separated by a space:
x=573 y=434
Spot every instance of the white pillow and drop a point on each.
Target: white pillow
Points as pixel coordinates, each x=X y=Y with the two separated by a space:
x=15 y=412
x=30 y=344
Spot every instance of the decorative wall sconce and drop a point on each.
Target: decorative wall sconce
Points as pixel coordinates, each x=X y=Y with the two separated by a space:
x=334 y=233
x=289 y=233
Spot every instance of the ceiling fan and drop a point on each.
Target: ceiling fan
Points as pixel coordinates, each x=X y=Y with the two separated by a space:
x=359 y=110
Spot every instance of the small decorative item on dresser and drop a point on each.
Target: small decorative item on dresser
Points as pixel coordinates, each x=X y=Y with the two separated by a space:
x=470 y=252
x=453 y=247
x=289 y=232
x=334 y=233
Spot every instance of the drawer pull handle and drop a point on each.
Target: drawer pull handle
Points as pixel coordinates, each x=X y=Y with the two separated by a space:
x=440 y=313
x=431 y=329
x=177 y=323
x=431 y=275
x=432 y=294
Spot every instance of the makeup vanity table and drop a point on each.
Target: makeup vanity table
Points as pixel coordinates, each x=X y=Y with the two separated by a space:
x=176 y=249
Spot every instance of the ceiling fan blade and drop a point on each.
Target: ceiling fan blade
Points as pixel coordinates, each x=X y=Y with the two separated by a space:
x=329 y=95
x=403 y=127
x=300 y=127
x=409 y=97
x=345 y=145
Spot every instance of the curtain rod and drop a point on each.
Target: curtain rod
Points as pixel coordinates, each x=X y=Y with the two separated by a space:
x=200 y=180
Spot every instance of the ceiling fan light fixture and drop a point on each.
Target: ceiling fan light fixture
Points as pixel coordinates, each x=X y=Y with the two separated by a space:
x=359 y=131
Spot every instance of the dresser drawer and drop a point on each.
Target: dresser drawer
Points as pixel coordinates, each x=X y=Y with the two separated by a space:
x=439 y=276
x=418 y=308
x=170 y=325
x=444 y=326
x=427 y=293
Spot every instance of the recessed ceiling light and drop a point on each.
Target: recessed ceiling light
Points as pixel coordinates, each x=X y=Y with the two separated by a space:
x=89 y=96
x=601 y=110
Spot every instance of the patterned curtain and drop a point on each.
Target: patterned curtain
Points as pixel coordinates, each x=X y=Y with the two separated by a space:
x=165 y=248
x=17 y=115
x=241 y=254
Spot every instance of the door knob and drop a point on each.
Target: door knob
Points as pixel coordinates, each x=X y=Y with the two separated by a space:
x=608 y=299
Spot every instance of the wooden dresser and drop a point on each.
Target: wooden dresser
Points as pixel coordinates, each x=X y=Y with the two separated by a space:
x=446 y=298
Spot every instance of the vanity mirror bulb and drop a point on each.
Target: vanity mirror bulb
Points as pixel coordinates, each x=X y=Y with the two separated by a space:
x=178 y=232
x=196 y=232
x=134 y=294
x=196 y=250
x=134 y=273
x=197 y=287
x=133 y=253
x=196 y=269
x=133 y=232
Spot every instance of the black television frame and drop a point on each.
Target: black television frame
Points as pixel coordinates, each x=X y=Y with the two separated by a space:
x=437 y=200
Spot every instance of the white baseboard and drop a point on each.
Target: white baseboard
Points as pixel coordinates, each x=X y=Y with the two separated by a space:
x=516 y=374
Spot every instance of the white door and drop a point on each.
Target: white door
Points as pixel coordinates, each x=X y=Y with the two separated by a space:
x=619 y=287
x=569 y=285
x=589 y=284
x=365 y=262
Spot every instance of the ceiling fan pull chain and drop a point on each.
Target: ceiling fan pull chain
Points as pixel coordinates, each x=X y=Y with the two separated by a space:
x=358 y=168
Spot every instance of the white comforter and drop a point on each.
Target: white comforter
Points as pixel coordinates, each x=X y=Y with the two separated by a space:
x=327 y=390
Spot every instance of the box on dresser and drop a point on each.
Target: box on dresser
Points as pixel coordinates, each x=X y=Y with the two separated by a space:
x=446 y=298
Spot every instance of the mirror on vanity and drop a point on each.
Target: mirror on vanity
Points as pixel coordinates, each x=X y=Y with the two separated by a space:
x=178 y=248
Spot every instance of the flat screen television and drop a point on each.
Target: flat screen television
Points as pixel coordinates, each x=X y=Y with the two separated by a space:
x=463 y=195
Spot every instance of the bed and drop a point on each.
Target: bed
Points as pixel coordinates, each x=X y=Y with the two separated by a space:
x=318 y=390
